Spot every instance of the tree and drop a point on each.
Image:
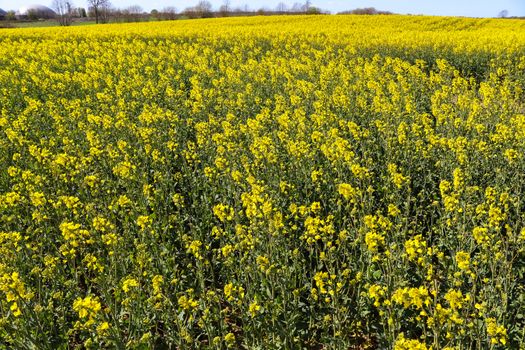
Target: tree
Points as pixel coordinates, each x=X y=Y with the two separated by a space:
x=154 y=14
x=503 y=14
x=297 y=7
x=106 y=11
x=80 y=12
x=281 y=7
x=312 y=10
x=10 y=16
x=225 y=8
x=133 y=13
x=169 y=13
x=100 y=8
x=203 y=8
x=307 y=5
x=262 y=11
x=64 y=11
x=365 y=11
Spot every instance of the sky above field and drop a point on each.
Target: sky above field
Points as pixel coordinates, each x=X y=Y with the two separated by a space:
x=472 y=8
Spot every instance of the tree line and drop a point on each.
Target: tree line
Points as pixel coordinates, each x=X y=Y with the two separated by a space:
x=102 y=11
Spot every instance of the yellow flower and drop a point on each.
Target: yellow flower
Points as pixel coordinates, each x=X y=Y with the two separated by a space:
x=409 y=344
x=87 y=307
x=229 y=339
x=124 y=169
x=511 y=155
x=374 y=241
x=223 y=212
x=415 y=247
x=393 y=210
x=497 y=332
x=316 y=175
x=396 y=177
x=263 y=263
x=123 y=201
x=459 y=179
x=157 y=282
x=322 y=279
x=377 y=293
x=90 y=180
x=480 y=234
x=496 y=216
x=187 y=303
x=228 y=290
x=416 y=297
x=454 y=298
x=254 y=309
x=14 y=309
x=463 y=260
x=102 y=328
x=143 y=221
x=348 y=192
x=129 y=283
x=195 y=249
x=38 y=199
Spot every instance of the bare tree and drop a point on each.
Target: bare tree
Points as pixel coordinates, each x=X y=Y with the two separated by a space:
x=169 y=13
x=281 y=7
x=79 y=12
x=100 y=8
x=503 y=14
x=204 y=8
x=365 y=11
x=307 y=5
x=225 y=8
x=297 y=7
x=133 y=13
x=190 y=12
x=64 y=11
x=106 y=12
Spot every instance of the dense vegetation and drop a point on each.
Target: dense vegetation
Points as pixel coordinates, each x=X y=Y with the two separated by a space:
x=264 y=183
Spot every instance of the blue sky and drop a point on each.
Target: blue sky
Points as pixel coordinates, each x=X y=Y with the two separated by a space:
x=473 y=8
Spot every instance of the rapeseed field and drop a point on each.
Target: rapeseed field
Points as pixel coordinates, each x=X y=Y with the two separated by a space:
x=289 y=182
